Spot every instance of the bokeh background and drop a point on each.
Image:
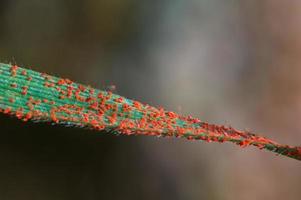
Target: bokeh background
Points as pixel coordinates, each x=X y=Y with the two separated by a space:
x=234 y=62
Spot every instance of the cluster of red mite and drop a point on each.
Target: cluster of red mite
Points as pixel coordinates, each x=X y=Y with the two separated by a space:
x=41 y=97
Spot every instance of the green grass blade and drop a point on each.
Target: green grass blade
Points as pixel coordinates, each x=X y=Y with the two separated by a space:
x=35 y=96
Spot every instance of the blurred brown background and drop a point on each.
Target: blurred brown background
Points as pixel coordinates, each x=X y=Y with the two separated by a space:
x=226 y=62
